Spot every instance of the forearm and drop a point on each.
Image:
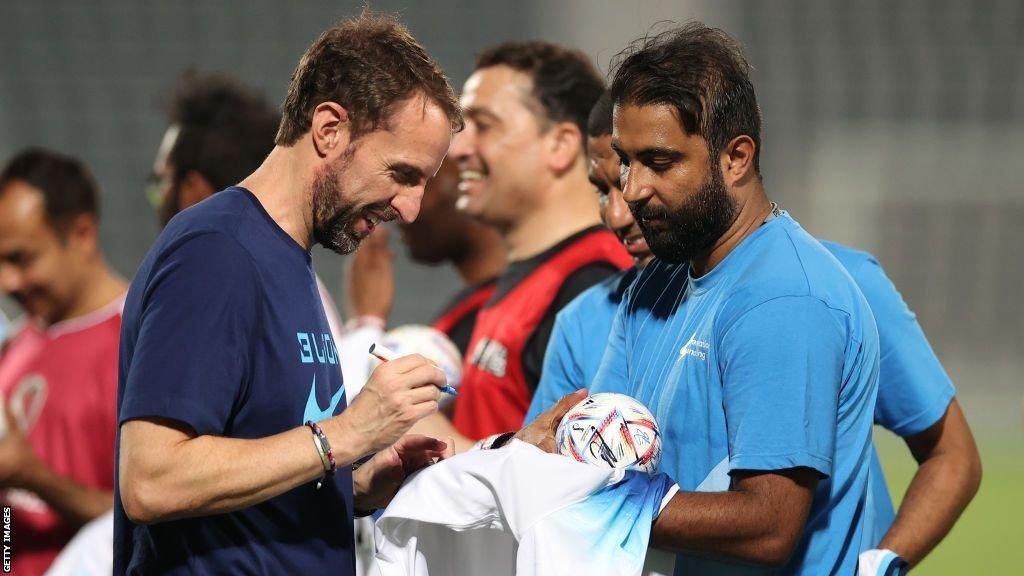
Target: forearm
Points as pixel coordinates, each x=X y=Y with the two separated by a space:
x=933 y=502
x=946 y=480
x=438 y=426
x=730 y=524
x=204 y=475
x=74 y=503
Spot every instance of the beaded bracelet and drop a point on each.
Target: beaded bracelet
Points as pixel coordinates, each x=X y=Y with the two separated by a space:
x=324 y=449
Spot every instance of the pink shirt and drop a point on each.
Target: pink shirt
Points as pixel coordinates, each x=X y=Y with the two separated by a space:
x=61 y=384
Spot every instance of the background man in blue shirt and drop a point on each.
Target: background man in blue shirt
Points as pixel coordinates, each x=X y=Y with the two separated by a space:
x=915 y=396
x=225 y=349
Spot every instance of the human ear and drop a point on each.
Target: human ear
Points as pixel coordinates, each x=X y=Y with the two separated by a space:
x=330 y=129
x=565 y=145
x=738 y=158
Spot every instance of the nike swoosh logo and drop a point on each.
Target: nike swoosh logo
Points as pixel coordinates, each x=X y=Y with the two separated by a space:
x=313 y=411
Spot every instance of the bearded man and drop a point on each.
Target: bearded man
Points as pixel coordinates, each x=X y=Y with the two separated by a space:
x=228 y=461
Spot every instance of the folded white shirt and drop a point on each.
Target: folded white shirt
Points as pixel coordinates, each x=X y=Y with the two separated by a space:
x=519 y=510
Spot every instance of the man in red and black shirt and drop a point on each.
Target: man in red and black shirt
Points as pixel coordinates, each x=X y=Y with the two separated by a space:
x=522 y=170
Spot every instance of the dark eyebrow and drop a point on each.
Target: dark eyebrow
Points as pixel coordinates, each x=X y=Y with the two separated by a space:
x=598 y=183
x=648 y=153
x=407 y=173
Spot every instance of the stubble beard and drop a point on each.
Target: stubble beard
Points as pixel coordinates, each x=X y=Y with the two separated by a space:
x=335 y=215
x=332 y=216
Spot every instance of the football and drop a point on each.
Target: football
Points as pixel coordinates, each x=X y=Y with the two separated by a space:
x=611 y=431
x=430 y=343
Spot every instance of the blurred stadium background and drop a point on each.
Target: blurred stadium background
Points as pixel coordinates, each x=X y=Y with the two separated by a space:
x=891 y=126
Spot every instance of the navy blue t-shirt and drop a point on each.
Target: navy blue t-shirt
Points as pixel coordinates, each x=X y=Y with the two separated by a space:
x=223 y=330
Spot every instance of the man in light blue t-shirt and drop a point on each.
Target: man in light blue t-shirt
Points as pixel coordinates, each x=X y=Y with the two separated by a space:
x=754 y=349
x=915 y=396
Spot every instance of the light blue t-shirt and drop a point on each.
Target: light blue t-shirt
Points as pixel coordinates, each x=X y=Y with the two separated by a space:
x=768 y=362
x=914 y=390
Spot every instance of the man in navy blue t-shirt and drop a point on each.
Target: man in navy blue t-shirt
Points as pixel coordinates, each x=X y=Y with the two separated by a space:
x=235 y=443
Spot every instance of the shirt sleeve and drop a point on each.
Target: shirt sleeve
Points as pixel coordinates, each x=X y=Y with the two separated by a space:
x=562 y=373
x=574 y=285
x=782 y=369
x=914 y=390
x=197 y=328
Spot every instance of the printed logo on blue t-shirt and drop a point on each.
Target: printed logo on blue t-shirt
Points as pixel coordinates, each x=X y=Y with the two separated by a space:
x=316 y=347
x=695 y=348
x=313 y=411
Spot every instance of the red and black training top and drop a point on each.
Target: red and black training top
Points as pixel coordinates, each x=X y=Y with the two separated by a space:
x=506 y=350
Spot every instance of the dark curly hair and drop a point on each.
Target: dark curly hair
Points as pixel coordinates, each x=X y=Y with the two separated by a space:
x=702 y=73
x=68 y=188
x=367 y=65
x=565 y=82
x=225 y=129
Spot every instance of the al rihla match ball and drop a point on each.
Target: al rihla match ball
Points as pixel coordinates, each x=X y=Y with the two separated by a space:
x=611 y=431
x=430 y=343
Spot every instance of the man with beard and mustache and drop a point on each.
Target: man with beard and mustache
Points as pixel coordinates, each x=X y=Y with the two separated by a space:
x=58 y=371
x=235 y=442
x=523 y=171
x=916 y=399
x=754 y=349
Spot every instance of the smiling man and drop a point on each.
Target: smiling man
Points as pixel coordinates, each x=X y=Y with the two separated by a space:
x=58 y=372
x=235 y=442
x=523 y=170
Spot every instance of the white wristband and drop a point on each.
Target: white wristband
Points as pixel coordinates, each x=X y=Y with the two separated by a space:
x=880 y=563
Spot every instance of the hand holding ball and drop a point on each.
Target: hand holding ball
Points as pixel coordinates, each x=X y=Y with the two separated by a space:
x=611 y=431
